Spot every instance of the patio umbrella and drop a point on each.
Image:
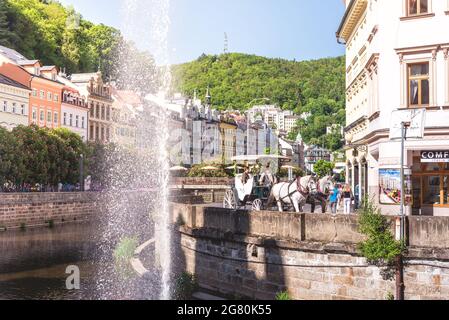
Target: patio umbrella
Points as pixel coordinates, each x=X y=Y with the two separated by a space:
x=232 y=167
x=288 y=167
x=178 y=168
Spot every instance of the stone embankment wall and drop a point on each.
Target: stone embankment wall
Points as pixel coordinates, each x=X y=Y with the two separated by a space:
x=259 y=254
x=39 y=209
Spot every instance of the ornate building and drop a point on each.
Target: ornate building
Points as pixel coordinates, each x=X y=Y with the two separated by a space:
x=99 y=100
x=397 y=59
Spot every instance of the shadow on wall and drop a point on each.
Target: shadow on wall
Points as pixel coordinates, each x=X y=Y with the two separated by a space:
x=230 y=264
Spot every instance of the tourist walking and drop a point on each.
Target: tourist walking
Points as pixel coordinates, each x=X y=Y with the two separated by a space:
x=347 y=199
x=334 y=199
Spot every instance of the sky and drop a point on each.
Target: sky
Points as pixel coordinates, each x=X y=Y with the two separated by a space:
x=290 y=29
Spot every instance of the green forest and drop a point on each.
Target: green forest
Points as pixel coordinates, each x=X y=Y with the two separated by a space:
x=58 y=35
x=314 y=87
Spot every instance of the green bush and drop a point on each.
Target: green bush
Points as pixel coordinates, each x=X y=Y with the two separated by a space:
x=197 y=172
x=185 y=286
x=380 y=248
x=298 y=172
x=283 y=296
x=125 y=249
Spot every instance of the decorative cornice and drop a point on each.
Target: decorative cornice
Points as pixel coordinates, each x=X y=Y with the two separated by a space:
x=411 y=50
x=352 y=16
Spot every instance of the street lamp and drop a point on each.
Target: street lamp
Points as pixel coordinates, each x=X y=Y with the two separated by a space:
x=81 y=173
x=358 y=147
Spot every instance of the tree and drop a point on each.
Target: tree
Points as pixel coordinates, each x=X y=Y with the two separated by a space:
x=6 y=35
x=11 y=161
x=323 y=168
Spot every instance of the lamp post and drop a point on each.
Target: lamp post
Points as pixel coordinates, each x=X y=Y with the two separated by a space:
x=81 y=173
x=404 y=127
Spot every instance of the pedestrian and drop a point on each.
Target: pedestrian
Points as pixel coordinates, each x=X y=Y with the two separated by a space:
x=356 y=197
x=334 y=198
x=347 y=199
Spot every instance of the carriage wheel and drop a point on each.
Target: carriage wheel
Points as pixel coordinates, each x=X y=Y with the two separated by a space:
x=257 y=205
x=229 y=201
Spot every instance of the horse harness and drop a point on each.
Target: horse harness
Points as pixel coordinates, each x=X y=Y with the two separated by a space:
x=299 y=188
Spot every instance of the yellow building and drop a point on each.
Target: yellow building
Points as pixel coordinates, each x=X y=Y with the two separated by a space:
x=228 y=133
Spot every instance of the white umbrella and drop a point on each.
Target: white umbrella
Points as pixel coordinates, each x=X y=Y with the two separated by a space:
x=233 y=167
x=288 y=167
x=178 y=168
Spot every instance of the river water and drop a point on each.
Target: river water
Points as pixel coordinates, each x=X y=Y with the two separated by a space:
x=33 y=266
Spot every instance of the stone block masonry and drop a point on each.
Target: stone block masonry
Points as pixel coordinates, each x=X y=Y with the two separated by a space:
x=313 y=257
x=37 y=209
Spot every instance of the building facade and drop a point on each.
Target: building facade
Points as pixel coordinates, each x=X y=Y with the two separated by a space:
x=124 y=117
x=99 y=100
x=275 y=117
x=14 y=103
x=45 y=97
x=397 y=59
x=74 y=112
x=228 y=135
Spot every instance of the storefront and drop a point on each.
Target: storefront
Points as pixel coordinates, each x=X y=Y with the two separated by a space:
x=430 y=182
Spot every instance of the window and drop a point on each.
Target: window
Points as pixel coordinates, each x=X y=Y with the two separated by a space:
x=82 y=122
x=42 y=94
x=55 y=118
x=102 y=112
x=77 y=121
x=42 y=116
x=5 y=106
x=34 y=93
x=56 y=97
x=97 y=113
x=418 y=84
x=22 y=109
x=416 y=7
x=431 y=184
x=34 y=113
x=64 y=121
x=14 y=107
x=49 y=96
x=49 y=117
x=71 y=120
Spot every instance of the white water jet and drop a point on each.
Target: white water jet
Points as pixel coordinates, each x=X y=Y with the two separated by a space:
x=149 y=21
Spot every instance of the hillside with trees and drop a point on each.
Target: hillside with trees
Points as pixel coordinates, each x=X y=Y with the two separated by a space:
x=316 y=88
x=58 y=35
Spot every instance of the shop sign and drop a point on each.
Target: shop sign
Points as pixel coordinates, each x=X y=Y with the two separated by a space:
x=435 y=156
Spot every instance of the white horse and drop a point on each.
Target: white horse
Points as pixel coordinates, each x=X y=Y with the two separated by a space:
x=294 y=193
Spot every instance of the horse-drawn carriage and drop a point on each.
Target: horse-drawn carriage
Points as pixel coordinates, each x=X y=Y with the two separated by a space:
x=293 y=194
x=250 y=192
